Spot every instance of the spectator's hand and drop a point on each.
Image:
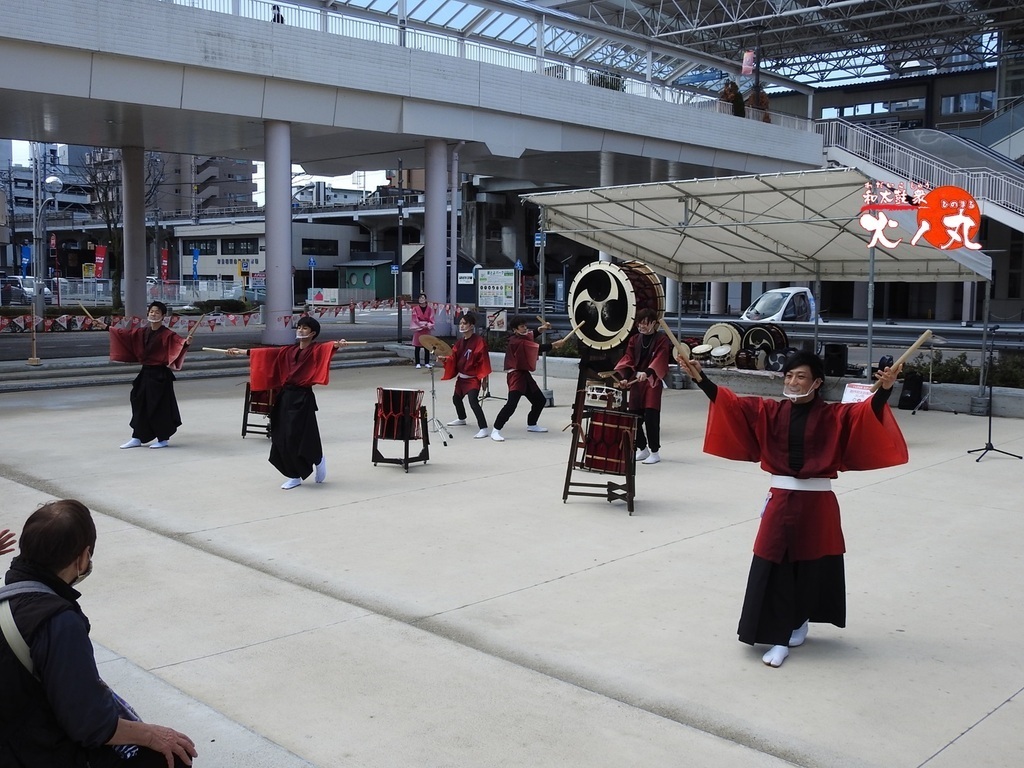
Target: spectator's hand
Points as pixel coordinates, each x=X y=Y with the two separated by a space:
x=6 y=541
x=169 y=742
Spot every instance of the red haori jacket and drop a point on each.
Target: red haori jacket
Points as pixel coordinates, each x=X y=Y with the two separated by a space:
x=655 y=359
x=838 y=438
x=140 y=345
x=275 y=367
x=469 y=356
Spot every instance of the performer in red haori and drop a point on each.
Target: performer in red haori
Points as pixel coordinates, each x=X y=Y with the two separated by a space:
x=295 y=447
x=644 y=368
x=421 y=322
x=797 y=573
x=469 y=363
x=161 y=351
x=520 y=362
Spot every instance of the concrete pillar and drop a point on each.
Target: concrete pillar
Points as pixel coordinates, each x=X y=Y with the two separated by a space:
x=944 y=301
x=719 y=298
x=133 y=190
x=278 y=213
x=671 y=296
x=607 y=179
x=968 y=314
x=435 y=227
x=860 y=300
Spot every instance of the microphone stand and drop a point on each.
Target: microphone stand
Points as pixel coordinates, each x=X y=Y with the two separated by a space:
x=988 y=447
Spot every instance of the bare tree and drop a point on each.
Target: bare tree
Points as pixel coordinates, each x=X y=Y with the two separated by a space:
x=102 y=174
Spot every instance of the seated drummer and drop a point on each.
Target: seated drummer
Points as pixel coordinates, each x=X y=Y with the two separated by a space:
x=643 y=369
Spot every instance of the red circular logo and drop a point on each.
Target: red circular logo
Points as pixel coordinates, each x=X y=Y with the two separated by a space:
x=949 y=218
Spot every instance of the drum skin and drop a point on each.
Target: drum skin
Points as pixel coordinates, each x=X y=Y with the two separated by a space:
x=605 y=297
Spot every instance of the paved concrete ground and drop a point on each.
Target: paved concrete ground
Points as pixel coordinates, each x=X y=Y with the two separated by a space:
x=462 y=615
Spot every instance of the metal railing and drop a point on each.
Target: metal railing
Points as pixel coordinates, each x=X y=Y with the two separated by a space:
x=335 y=22
x=911 y=165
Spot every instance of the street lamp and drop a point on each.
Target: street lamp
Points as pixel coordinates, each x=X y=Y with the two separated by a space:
x=50 y=187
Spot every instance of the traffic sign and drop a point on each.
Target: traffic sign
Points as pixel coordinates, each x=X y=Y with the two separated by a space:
x=394 y=269
x=519 y=265
x=539 y=239
x=245 y=266
x=312 y=262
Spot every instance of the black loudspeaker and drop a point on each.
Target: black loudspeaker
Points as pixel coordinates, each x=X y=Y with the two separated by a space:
x=836 y=357
x=913 y=388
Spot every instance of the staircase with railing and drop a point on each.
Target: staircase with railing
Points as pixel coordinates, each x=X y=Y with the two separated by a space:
x=883 y=157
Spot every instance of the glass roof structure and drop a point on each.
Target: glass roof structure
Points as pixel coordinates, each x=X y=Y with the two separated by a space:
x=699 y=42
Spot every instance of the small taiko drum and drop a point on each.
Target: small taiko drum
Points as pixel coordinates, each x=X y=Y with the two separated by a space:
x=398 y=414
x=599 y=396
x=701 y=353
x=723 y=356
x=609 y=442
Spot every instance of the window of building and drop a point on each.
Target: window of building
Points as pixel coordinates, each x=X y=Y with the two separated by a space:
x=907 y=105
x=968 y=103
x=206 y=247
x=311 y=247
x=240 y=245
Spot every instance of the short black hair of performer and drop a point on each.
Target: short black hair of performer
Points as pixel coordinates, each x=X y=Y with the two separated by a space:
x=517 y=321
x=309 y=322
x=159 y=305
x=809 y=359
x=646 y=315
x=468 y=317
x=56 y=533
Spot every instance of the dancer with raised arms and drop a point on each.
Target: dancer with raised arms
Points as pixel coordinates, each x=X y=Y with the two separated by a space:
x=797 y=574
x=155 y=414
x=292 y=371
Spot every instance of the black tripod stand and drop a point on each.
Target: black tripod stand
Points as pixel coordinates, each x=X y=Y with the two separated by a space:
x=988 y=445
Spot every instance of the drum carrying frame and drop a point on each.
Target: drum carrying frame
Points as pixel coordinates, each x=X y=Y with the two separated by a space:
x=592 y=438
x=407 y=417
x=259 y=403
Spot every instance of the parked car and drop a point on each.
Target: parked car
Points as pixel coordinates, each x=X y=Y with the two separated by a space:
x=29 y=285
x=252 y=295
x=782 y=305
x=12 y=292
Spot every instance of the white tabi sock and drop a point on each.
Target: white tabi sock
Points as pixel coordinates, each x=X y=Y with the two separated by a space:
x=798 y=636
x=775 y=656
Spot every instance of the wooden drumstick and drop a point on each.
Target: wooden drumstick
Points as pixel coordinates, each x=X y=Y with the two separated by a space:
x=905 y=356
x=575 y=328
x=672 y=337
x=215 y=349
x=86 y=311
x=194 y=328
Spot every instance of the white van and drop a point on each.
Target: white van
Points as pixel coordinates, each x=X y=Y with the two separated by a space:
x=29 y=285
x=782 y=305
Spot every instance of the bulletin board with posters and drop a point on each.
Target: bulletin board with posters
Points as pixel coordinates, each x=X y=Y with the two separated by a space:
x=496 y=288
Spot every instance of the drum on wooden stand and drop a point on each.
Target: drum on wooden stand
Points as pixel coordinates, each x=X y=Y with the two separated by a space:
x=600 y=396
x=399 y=415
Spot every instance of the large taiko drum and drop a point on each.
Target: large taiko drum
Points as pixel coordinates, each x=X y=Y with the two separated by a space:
x=724 y=334
x=765 y=336
x=604 y=299
x=609 y=442
x=398 y=414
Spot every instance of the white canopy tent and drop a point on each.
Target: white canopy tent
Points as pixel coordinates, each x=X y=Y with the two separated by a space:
x=797 y=226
